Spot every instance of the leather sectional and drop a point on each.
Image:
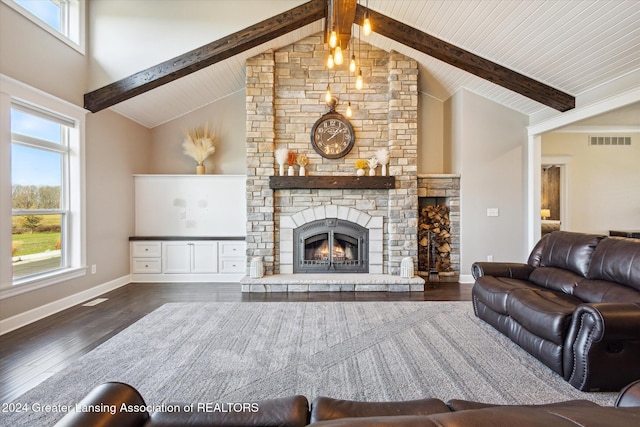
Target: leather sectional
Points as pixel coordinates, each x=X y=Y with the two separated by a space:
x=575 y=306
x=294 y=411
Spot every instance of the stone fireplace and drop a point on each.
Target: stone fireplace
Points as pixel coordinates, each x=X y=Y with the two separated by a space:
x=285 y=97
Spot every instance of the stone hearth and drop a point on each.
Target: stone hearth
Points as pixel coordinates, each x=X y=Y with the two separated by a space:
x=285 y=96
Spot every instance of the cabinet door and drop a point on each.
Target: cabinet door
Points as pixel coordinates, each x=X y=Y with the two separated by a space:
x=176 y=257
x=204 y=258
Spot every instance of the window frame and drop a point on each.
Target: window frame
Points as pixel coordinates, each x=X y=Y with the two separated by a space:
x=72 y=21
x=14 y=93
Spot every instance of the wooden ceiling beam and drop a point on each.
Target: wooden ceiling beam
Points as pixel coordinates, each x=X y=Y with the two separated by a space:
x=344 y=12
x=205 y=56
x=467 y=61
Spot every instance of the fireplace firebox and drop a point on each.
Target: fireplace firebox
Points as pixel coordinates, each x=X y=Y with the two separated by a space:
x=331 y=245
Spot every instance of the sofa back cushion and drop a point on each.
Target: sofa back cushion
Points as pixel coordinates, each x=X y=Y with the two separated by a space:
x=617 y=260
x=605 y=291
x=565 y=250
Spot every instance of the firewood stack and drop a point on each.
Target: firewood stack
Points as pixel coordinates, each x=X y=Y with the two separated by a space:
x=434 y=228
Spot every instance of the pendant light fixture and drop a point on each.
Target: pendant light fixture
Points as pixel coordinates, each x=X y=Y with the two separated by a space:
x=366 y=25
x=338 y=58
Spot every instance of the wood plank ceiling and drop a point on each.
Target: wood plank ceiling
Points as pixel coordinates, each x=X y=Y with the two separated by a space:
x=573 y=45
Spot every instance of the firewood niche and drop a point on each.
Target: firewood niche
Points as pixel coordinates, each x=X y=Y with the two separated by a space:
x=434 y=241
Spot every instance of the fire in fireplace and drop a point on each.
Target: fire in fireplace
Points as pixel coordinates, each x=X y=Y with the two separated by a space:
x=331 y=245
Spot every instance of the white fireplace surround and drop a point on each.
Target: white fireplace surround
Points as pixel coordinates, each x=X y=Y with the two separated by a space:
x=290 y=222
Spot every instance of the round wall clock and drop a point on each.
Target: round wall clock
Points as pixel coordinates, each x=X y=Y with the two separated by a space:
x=332 y=136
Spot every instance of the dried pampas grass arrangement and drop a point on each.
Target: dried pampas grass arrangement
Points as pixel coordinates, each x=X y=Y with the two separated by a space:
x=199 y=144
x=383 y=159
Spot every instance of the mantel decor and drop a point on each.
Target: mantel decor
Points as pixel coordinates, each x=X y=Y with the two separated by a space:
x=332 y=182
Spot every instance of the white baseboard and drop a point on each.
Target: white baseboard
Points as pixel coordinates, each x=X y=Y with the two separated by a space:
x=23 y=319
x=466 y=278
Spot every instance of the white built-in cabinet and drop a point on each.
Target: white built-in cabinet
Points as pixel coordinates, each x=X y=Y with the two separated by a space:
x=186 y=260
x=189 y=228
x=190 y=257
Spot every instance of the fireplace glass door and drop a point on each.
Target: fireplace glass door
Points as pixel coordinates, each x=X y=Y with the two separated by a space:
x=331 y=245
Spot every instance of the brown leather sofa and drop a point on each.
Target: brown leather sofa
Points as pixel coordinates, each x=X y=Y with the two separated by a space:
x=575 y=306
x=294 y=411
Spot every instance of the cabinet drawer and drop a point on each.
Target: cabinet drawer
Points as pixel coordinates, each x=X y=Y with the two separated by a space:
x=146 y=249
x=230 y=265
x=147 y=265
x=232 y=249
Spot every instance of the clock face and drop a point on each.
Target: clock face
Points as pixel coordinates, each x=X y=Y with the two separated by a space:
x=332 y=136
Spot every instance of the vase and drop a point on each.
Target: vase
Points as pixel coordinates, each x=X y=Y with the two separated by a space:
x=384 y=170
x=360 y=172
x=200 y=169
x=303 y=171
x=372 y=172
x=291 y=171
x=281 y=171
x=256 y=268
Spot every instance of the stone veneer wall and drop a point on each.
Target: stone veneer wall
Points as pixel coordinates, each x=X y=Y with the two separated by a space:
x=285 y=96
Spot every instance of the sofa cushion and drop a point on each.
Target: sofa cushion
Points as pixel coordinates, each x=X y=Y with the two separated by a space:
x=617 y=260
x=556 y=279
x=547 y=314
x=493 y=291
x=326 y=408
x=604 y=291
x=569 y=251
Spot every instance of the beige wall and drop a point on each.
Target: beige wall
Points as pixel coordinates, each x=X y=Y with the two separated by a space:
x=226 y=118
x=35 y=57
x=128 y=36
x=488 y=146
x=603 y=182
x=116 y=148
x=431 y=147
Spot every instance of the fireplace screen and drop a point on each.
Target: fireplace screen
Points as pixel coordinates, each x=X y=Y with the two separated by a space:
x=331 y=245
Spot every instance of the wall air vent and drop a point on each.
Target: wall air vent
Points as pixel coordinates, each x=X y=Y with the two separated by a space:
x=609 y=140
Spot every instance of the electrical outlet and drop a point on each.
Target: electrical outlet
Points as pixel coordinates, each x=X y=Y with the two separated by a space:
x=492 y=212
x=489 y=258
x=93 y=269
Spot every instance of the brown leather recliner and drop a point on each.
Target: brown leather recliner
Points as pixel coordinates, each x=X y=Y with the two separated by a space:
x=575 y=306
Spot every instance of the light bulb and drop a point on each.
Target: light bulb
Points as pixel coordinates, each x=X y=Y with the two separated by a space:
x=327 y=96
x=333 y=39
x=338 y=59
x=352 y=65
x=330 y=61
x=359 y=82
x=366 y=27
x=349 y=110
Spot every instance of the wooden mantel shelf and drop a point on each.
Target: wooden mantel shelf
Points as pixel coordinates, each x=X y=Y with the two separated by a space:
x=332 y=182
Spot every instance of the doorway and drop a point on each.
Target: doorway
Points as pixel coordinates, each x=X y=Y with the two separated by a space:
x=554 y=197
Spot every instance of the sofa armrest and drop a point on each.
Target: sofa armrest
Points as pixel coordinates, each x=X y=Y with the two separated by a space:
x=602 y=346
x=629 y=396
x=512 y=270
x=103 y=405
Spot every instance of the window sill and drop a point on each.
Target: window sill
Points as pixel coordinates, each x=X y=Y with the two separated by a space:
x=31 y=284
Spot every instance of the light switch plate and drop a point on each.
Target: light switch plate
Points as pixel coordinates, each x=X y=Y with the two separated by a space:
x=492 y=212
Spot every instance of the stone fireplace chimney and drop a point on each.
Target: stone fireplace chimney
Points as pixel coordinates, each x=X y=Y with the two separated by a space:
x=285 y=96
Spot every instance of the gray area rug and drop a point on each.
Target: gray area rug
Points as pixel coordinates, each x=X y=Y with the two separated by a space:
x=375 y=351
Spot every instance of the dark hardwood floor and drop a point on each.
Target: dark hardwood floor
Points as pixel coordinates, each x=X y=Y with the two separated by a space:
x=35 y=352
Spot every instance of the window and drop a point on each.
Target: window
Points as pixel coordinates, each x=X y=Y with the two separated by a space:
x=39 y=158
x=41 y=203
x=62 y=18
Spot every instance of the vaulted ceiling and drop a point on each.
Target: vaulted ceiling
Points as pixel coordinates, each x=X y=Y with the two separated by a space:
x=574 y=46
